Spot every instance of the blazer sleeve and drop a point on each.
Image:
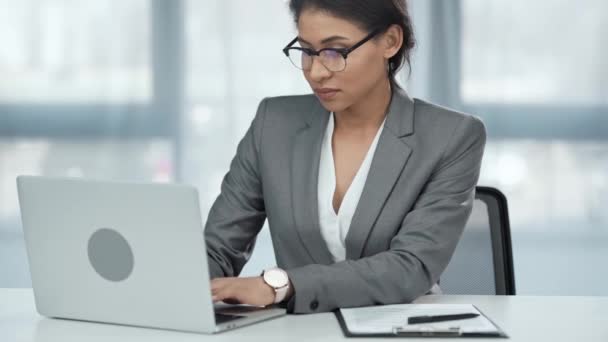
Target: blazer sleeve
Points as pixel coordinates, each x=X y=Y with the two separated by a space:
x=238 y=213
x=420 y=250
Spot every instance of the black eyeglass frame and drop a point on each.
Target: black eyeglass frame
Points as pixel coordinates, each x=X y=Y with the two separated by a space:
x=344 y=52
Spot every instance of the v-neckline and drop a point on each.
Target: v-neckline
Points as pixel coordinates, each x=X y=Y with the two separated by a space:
x=333 y=184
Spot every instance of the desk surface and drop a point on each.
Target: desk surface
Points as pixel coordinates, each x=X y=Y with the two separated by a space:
x=523 y=318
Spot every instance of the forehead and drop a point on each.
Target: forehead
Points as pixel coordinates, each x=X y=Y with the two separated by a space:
x=315 y=25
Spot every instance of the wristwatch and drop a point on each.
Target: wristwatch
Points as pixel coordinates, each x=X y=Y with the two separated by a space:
x=278 y=280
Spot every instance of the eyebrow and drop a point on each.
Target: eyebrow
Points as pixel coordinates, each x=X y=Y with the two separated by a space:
x=326 y=40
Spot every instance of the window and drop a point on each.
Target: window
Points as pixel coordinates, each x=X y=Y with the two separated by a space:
x=81 y=96
x=535 y=53
x=537 y=73
x=59 y=51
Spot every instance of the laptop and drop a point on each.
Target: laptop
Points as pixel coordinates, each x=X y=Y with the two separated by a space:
x=124 y=253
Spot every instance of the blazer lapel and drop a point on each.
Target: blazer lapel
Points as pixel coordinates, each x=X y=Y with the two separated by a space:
x=388 y=162
x=304 y=178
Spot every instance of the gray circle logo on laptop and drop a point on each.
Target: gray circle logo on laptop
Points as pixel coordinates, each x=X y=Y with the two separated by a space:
x=110 y=255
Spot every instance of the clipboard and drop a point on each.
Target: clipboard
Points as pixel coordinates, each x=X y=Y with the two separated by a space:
x=449 y=330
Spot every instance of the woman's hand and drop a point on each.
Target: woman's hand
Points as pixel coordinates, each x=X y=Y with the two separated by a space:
x=250 y=290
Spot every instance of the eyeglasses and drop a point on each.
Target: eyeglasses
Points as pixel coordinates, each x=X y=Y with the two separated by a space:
x=334 y=59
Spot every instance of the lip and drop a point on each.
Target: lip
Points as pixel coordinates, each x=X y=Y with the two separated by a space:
x=326 y=93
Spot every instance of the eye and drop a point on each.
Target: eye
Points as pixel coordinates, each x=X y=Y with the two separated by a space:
x=331 y=54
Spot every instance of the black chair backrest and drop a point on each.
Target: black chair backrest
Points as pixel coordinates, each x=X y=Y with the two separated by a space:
x=483 y=261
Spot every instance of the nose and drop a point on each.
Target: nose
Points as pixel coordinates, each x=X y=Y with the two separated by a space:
x=318 y=72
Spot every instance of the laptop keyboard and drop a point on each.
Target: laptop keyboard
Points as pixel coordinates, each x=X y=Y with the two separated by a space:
x=223 y=318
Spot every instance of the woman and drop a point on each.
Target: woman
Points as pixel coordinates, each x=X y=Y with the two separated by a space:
x=366 y=190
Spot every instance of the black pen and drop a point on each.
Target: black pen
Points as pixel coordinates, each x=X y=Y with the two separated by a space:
x=439 y=318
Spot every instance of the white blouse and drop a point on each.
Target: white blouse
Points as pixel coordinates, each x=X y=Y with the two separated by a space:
x=334 y=227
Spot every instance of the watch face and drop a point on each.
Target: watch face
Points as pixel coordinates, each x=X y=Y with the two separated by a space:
x=276 y=278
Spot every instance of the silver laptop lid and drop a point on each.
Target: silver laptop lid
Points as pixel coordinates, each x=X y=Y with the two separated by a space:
x=126 y=253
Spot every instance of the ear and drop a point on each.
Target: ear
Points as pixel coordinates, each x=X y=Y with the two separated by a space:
x=392 y=39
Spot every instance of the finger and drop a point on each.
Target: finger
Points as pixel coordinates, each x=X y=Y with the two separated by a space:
x=216 y=288
x=219 y=283
x=217 y=297
x=223 y=290
x=216 y=282
x=222 y=294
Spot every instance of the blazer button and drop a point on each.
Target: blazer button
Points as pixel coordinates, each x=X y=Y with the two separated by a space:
x=314 y=304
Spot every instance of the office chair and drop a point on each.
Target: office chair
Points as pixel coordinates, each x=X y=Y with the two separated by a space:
x=483 y=262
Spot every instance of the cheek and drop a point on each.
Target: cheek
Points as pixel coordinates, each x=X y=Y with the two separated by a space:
x=307 y=77
x=362 y=73
x=368 y=66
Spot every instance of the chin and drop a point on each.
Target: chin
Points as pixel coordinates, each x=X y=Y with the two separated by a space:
x=334 y=106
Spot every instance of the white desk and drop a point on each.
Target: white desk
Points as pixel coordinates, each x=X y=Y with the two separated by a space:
x=522 y=318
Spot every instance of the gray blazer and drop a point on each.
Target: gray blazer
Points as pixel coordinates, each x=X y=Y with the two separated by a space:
x=415 y=203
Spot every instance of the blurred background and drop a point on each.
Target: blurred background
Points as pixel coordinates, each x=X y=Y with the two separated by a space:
x=162 y=90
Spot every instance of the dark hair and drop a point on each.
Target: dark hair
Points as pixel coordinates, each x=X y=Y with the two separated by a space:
x=369 y=15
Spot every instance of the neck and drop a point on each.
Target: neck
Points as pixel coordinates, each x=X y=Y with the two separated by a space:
x=367 y=113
